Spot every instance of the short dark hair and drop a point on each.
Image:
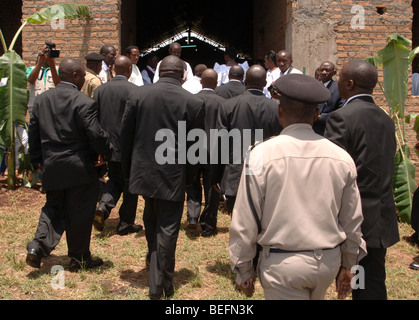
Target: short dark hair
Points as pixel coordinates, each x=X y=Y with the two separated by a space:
x=236 y=72
x=130 y=48
x=106 y=48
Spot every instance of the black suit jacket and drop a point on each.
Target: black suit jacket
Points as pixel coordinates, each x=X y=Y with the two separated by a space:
x=367 y=133
x=230 y=89
x=213 y=104
x=111 y=98
x=335 y=102
x=153 y=142
x=65 y=137
x=250 y=110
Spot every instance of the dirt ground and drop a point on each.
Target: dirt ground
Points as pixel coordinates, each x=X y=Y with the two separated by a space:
x=203 y=273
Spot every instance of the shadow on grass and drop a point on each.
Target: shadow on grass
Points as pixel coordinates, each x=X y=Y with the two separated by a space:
x=186 y=276
x=194 y=234
x=48 y=263
x=137 y=279
x=109 y=230
x=221 y=268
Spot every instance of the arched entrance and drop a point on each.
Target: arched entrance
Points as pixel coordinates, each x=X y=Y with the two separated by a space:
x=151 y=24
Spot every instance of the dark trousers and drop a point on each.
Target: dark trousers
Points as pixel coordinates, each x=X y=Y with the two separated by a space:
x=231 y=200
x=162 y=223
x=115 y=187
x=375 y=276
x=194 y=196
x=71 y=210
x=208 y=218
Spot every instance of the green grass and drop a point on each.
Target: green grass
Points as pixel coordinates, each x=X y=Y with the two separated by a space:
x=202 y=264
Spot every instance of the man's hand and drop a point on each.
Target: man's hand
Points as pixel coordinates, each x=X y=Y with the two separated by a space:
x=247 y=287
x=343 y=283
x=100 y=161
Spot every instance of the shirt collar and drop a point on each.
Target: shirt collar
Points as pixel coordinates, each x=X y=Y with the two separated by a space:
x=104 y=65
x=254 y=90
x=286 y=72
x=296 y=126
x=356 y=96
x=327 y=83
x=71 y=84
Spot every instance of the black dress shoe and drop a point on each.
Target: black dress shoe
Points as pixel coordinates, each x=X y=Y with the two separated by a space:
x=134 y=228
x=207 y=233
x=153 y=296
x=412 y=239
x=76 y=265
x=192 y=224
x=33 y=259
x=414 y=266
x=99 y=220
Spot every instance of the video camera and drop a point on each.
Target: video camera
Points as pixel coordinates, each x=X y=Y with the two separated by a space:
x=273 y=89
x=50 y=50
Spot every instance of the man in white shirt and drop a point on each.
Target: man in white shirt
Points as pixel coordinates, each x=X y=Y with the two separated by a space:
x=230 y=58
x=194 y=85
x=133 y=53
x=284 y=62
x=175 y=49
x=109 y=54
x=308 y=240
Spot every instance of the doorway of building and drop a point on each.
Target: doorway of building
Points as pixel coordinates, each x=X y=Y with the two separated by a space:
x=203 y=29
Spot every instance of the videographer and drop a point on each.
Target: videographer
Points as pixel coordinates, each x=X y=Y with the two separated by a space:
x=44 y=75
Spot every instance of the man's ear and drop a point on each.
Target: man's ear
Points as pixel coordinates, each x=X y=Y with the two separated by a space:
x=316 y=116
x=350 y=84
x=280 y=111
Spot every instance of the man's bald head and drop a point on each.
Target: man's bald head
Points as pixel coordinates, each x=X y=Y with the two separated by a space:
x=255 y=77
x=175 y=49
x=284 y=60
x=356 y=77
x=236 y=73
x=172 y=67
x=209 y=78
x=73 y=71
x=123 y=66
x=199 y=68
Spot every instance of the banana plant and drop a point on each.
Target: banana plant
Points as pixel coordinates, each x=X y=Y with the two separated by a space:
x=395 y=59
x=13 y=85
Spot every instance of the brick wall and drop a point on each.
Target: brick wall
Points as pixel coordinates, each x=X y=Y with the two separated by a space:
x=78 y=37
x=381 y=20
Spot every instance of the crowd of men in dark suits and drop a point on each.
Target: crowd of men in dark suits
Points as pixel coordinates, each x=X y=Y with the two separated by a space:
x=122 y=124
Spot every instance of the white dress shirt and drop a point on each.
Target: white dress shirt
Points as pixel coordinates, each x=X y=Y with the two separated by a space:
x=136 y=76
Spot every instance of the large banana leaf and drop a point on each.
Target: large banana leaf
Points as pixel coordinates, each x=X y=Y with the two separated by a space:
x=62 y=10
x=13 y=96
x=404 y=184
x=396 y=59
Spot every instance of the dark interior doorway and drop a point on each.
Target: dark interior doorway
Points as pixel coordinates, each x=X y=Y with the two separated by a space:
x=148 y=23
x=10 y=22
